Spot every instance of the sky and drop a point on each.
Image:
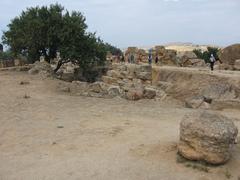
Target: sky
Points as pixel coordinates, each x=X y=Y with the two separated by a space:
x=126 y=23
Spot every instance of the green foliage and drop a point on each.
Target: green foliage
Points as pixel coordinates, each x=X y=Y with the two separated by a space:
x=207 y=54
x=1 y=48
x=36 y=32
x=113 y=50
x=7 y=55
x=48 y=30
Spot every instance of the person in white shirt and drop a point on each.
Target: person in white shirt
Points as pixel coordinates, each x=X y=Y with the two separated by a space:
x=212 y=62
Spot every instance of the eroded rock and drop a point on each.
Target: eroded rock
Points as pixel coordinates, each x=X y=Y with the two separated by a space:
x=207 y=137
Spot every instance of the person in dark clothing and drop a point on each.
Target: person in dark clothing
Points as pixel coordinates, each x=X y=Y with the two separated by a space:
x=212 y=62
x=156 y=60
x=150 y=59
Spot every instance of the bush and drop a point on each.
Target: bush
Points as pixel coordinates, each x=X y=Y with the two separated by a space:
x=205 y=55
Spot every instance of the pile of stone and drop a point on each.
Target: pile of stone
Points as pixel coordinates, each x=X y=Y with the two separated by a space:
x=132 y=82
x=42 y=68
x=207 y=137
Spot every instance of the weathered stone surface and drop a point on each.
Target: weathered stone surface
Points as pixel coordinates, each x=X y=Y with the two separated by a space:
x=114 y=74
x=134 y=94
x=109 y=80
x=237 y=65
x=207 y=137
x=230 y=54
x=198 y=102
x=41 y=67
x=220 y=90
x=149 y=93
x=96 y=87
x=144 y=75
x=114 y=91
x=194 y=102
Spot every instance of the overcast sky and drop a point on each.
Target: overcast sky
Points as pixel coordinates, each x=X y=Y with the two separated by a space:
x=148 y=22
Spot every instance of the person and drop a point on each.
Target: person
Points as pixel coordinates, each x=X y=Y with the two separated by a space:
x=156 y=60
x=150 y=59
x=212 y=62
x=132 y=59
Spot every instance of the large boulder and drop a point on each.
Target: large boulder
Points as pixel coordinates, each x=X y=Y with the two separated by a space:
x=149 y=93
x=207 y=137
x=230 y=54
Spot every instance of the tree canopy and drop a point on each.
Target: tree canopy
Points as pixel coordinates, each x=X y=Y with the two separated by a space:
x=1 y=48
x=44 y=31
x=206 y=54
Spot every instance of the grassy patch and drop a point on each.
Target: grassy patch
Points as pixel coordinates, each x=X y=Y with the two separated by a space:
x=228 y=175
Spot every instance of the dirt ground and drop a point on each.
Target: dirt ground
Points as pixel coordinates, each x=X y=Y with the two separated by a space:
x=47 y=135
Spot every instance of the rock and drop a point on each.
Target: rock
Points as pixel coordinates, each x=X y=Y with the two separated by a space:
x=114 y=91
x=114 y=74
x=186 y=55
x=198 y=102
x=225 y=104
x=109 y=80
x=149 y=93
x=144 y=75
x=219 y=90
x=194 y=102
x=145 y=68
x=96 y=87
x=237 y=65
x=207 y=137
x=230 y=54
x=134 y=94
x=41 y=67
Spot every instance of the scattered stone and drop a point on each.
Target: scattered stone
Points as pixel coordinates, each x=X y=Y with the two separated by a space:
x=149 y=93
x=109 y=80
x=43 y=68
x=95 y=87
x=134 y=94
x=207 y=137
x=198 y=102
x=114 y=91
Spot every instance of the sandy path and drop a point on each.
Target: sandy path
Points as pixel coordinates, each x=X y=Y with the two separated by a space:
x=56 y=136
